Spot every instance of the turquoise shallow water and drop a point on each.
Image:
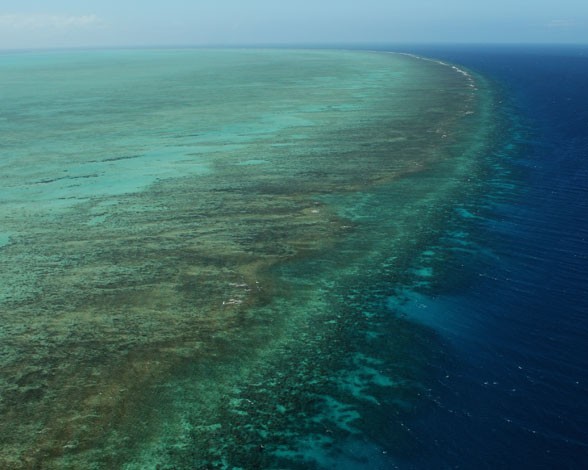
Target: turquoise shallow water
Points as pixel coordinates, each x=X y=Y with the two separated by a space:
x=197 y=250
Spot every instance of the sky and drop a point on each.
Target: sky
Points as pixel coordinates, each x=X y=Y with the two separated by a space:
x=95 y=23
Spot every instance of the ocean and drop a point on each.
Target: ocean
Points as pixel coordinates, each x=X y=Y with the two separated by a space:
x=294 y=259
x=514 y=394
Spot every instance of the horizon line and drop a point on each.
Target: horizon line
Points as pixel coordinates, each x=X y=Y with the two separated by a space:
x=294 y=45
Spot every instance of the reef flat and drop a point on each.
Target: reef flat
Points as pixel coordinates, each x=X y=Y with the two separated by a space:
x=196 y=245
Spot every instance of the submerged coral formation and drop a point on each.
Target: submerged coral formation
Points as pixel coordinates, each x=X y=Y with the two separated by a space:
x=197 y=247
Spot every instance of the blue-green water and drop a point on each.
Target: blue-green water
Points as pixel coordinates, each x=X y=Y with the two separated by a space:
x=198 y=250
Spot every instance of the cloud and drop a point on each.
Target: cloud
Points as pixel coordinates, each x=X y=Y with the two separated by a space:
x=560 y=24
x=36 y=22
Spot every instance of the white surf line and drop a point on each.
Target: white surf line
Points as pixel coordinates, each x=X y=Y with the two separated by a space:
x=465 y=73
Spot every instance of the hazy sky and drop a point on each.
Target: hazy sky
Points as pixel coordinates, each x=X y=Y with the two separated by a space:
x=56 y=23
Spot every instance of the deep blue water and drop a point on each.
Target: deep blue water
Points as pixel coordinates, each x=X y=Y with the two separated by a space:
x=515 y=392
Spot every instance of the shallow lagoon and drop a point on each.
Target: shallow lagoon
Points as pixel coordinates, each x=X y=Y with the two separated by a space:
x=198 y=248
